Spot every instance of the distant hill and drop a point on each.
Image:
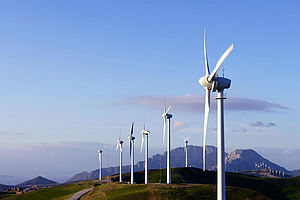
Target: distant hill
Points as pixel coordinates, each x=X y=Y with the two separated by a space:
x=11 y=180
x=40 y=181
x=245 y=159
x=295 y=172
x=237 y=160
x=4 y=187
x=264 y=173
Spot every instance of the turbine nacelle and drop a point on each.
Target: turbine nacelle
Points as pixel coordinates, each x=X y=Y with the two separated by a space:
x=119 y=141
x=145 y=132
x=167 y=116
x=221 y=83
x=131 y=137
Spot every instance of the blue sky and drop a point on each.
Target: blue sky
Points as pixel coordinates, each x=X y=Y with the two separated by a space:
x=76 y=71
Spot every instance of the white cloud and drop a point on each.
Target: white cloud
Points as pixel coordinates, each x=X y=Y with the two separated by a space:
x=262 y=124
x=195 y=103
x=178 y=125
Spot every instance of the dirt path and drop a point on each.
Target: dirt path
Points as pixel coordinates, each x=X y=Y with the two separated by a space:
x=79 y=194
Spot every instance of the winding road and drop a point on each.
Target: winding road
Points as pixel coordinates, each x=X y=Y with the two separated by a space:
x=79 y=194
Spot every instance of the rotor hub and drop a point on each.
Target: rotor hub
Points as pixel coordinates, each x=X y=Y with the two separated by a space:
x=205 y=83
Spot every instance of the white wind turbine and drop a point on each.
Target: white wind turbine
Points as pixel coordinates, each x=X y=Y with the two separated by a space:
x=100 y=164
x=168 y=117
x=145 y=133
x=211 y=82
x=119 y=144
x=131 y=146
x=186 y=151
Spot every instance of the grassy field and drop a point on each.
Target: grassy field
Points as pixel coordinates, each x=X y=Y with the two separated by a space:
x=116 y=191
x=188 y=183
x=58 y=192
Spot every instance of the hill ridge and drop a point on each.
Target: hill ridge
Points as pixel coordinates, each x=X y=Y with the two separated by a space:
x=39 y=180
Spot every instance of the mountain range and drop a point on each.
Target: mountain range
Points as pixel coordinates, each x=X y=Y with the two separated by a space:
x=4 y=187
x=237 y=160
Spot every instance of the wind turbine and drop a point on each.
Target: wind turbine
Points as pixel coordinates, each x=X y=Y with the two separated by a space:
x=131 y=146
x=119 y=144
x=186 y=151
x=168 y=117
x=212 y=83
x=100 y=164
x=145 y=133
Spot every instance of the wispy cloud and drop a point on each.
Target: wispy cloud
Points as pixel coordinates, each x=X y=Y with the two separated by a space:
x=4 y=133
x=239 y=130
x=178 y=125
x=195 y=103
x=261 y=124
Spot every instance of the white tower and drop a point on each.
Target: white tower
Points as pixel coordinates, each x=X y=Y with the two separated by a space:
x=119 y=144
x=145 y=133
x=211 y=82
x=131 y=142
x=100 y=164
x=167 y=117
x=186 y=151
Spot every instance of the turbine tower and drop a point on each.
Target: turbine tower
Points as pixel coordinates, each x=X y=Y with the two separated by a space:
x=211 y=82
x=186 y=151
x=168 y=117
x=145 y=133
x=119 y=144
x=100 y=164
x=131 y=146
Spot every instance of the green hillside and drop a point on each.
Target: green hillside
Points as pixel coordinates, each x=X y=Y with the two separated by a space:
x=274 y=188
x=188 y=183
x=62 y=192
x=114 y=191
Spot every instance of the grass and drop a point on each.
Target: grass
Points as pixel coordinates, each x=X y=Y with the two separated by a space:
x=272 y=188
x=174 y=191
x=188 y=183
x=58 y=192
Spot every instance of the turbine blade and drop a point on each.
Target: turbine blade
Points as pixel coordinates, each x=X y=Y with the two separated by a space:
x=207 y=106
x=220 y=61
x=168 y=110
x=164 y=134
x=143 y=137
x=117 y=146
x=131 y=131
x=205 y=54
x=164 y=108
x=121 y=148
